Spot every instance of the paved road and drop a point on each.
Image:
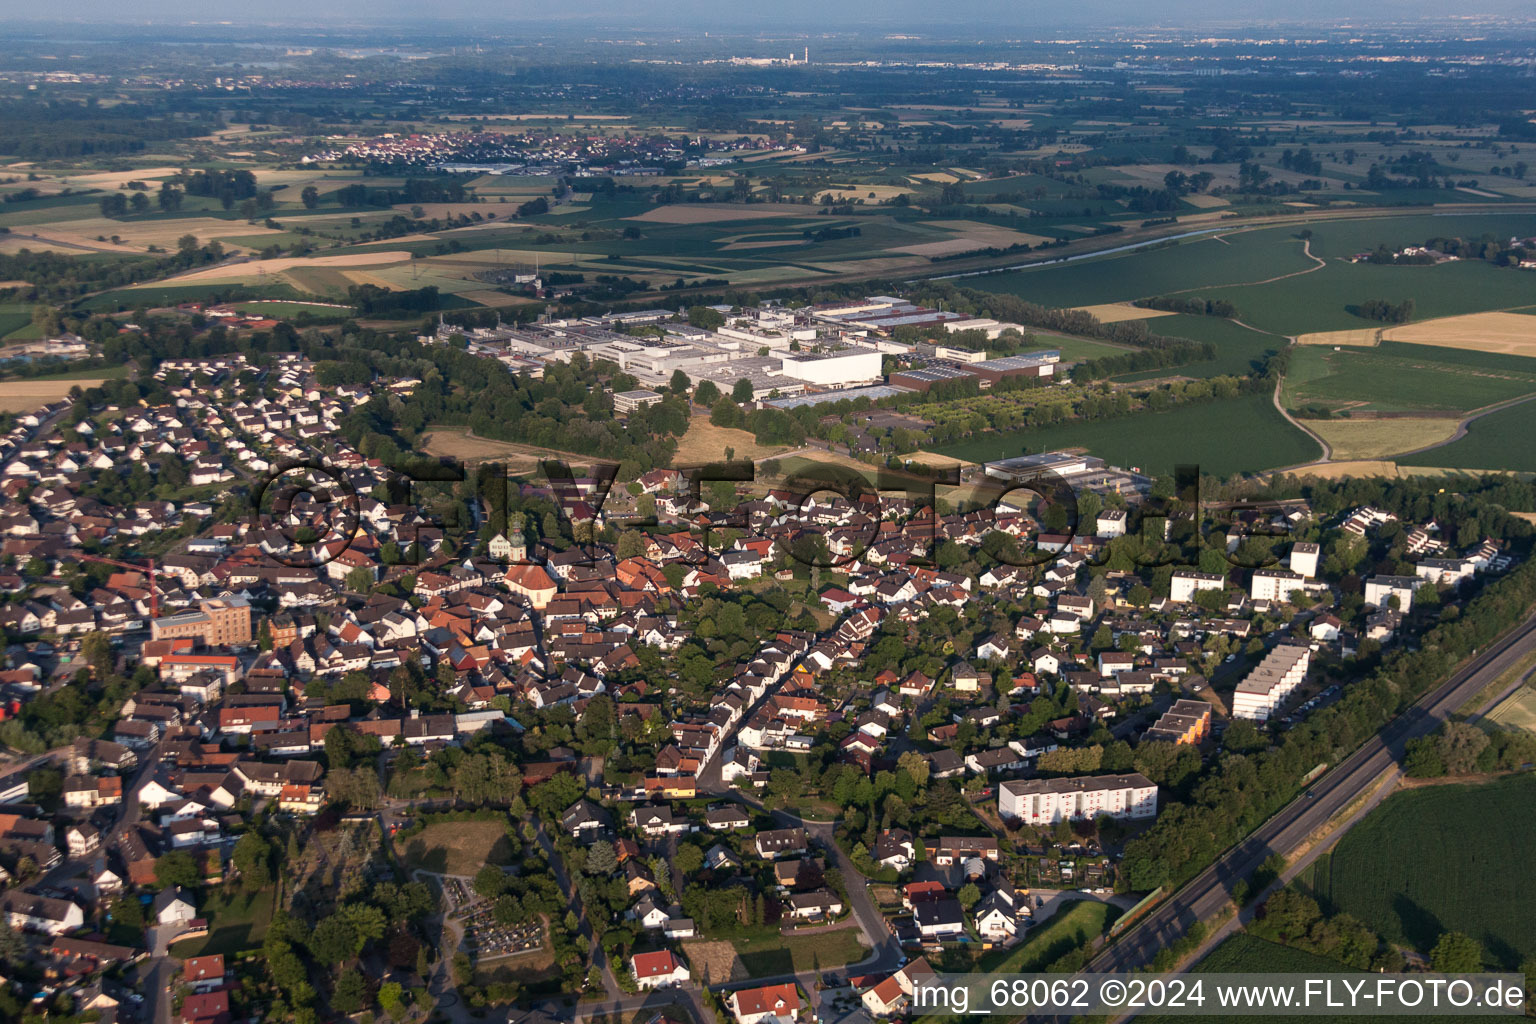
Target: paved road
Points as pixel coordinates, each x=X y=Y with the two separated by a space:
x=1209 y=892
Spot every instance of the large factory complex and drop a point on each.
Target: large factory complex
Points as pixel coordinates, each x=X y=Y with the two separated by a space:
x=788 y=356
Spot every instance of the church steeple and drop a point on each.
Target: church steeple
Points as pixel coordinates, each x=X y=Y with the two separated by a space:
x=519 y=547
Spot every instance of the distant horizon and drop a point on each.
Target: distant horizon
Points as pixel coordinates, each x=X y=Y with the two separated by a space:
x=690 y=17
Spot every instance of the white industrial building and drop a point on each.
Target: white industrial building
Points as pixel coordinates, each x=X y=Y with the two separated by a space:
x=1047 y=801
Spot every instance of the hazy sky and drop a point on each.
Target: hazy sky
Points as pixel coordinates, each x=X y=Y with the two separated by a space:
x=1015 y=17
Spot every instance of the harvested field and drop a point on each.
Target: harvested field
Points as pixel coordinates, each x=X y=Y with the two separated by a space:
x=715 y=962
x=117 y=179
x=881 y=192
x=1517 y=711
x=457 y=847
x=1115 y=312
x=27 y=395
x=1341 y=470
x=987 y=234
x=1366 y=336
x=1508 y=333
x=711 y=213
x=778 y=244
x=13 y=244
x=360 y=259
x=706 y=442
x=935 y=459
x=456 y=444
x=1205 y=202
x=1361 y=439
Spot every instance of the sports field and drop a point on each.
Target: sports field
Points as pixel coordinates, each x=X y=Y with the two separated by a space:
x=1232 y=435
x=1442 y=858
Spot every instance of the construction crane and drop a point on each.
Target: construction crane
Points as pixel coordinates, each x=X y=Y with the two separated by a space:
x=154 y=591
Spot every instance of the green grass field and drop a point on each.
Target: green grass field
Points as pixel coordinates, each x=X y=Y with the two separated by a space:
x=236 y=922
x=1239 y=350
x=101 y=372
x=1234 y=435
x=1373 y=380
x=1499 y=441
x=1067 y=929
x=1230 y=268
x=1320 y=301
x=1442 y=858
x=1245 y=954
x=1198 y=263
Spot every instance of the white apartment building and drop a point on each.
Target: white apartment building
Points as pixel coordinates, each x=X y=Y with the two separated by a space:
x=1274 y=584
x=1111 y=523
x=1184 y=583
x=1259 y=695
x=1379 y=591
x=1304 y=557
x=1047 y=801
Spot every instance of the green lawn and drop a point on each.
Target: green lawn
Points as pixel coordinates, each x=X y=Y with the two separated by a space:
x=236 y=922
x=1232 y=435
x=1079 y=923
x=1442 y=858
x=1398 y=380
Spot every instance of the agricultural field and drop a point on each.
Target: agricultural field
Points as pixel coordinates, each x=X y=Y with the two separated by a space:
x=1245 y=954
x=1369 y=439
x=1274 y=284
x=705 y=442
x=1517 y=711
x=1399 y=378
x=1441 y=858
x=1512 y=333
x=1239 y=350
x=32 y=393
x=457 y=444
x=456 y=847
x=1498 y=441
x=1227 y=436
